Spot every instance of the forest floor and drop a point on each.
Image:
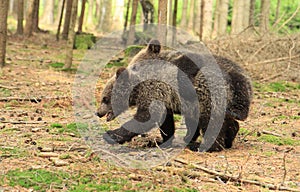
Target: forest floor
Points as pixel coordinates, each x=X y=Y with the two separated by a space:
x=41 y=149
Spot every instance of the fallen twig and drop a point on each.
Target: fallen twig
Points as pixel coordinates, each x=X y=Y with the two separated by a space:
x=271 y=133
x=227 y=177
x=276 y=60
x=35 y=100
x=24 y=122
x=8 y=87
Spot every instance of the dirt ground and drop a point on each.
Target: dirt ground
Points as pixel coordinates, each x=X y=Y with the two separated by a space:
x=37 y=128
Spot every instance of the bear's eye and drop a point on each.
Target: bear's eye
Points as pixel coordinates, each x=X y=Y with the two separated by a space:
x=105 y=100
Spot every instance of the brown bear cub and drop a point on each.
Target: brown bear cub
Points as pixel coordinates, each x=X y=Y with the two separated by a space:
x=148 y=84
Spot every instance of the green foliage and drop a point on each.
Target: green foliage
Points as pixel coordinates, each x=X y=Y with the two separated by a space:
x=84 y=41
x=9 y=152
x=57 y=65
x=69 y=128
x=276 y=86
x=114 y=64
x=56 y=125
x=278 y=140
x=244 y=131
x=5 y=92
x=132 y=50
x=38 y=179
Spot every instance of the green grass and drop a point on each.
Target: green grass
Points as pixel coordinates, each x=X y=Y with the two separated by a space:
x=11 y=152
x=278 y=140
x=5 y=92
x=244 y=131
x=69 y=128
x=132 y=50
x=115 y=64
x=57 y=65
x=276 y=86
x=37 y=179
x=84 y=41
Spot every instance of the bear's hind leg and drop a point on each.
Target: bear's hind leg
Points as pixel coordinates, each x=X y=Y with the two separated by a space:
x=167 y=130
x=232 y=128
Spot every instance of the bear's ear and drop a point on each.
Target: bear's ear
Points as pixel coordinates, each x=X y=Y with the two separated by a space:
x=154 y=46
x=119 y=71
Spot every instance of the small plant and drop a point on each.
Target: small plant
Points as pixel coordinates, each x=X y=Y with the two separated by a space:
x=56 y=125
x=57 y=65
x=278 y=140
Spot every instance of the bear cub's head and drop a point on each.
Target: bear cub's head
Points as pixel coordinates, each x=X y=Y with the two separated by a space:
x=105 y=109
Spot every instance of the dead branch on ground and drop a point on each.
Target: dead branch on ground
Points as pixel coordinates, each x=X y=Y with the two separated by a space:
x=226 y=177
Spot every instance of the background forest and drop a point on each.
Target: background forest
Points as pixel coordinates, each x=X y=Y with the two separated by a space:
x=43 y=42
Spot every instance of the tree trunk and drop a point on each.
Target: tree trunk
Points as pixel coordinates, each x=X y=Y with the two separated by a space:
x=170 y=12
x=118 y=18
x=131 y=35
x=67 y=19
x=184 y=20
x=216 y=19
x=59 y=5
x=3 y=30
x=162 y=20
x=60 y=19
x=246 y=14
x=35 y=19
x=71 y=36
x=223 y=15
x=174 y=19
x=107 y=18
x=192 y=15
x=90 y=15
x=80 y=22
x=48 y=13
x=206 y=19
x=277 y=10
x=197 y=16
x=29 y=18
x=252 y=13
x=126 y=16
x=20 y=28
x=237 y=16
x=265 y=14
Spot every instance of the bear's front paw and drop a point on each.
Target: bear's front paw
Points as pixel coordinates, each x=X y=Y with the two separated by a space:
x=112 y=138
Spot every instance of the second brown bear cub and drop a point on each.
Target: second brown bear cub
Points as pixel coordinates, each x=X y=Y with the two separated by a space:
x=236 y=84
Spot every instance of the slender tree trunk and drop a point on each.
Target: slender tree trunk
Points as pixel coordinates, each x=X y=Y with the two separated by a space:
x=59 y=5
x=71 y=36
x=126 y=16
x=170 y=2
x=131 y=35
x=184 y=20
x=174 y=19
x=35 y=22
x=20 y=28
x=3 y=30
x=60 y=19
x=80 y=22
x=48 y=13
x=90 y=13
x=277 y=10
x=107 y=22
x=98 y=9
x=265 y=14
x=67 y=19
x=223 y=17
x=191 y=15
x=216 y=19
x=29 y=18
x=252 y=13
x=197 y=16
x=241 y=15
x=162 y=20
x=246 y=14
x=206 y=19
